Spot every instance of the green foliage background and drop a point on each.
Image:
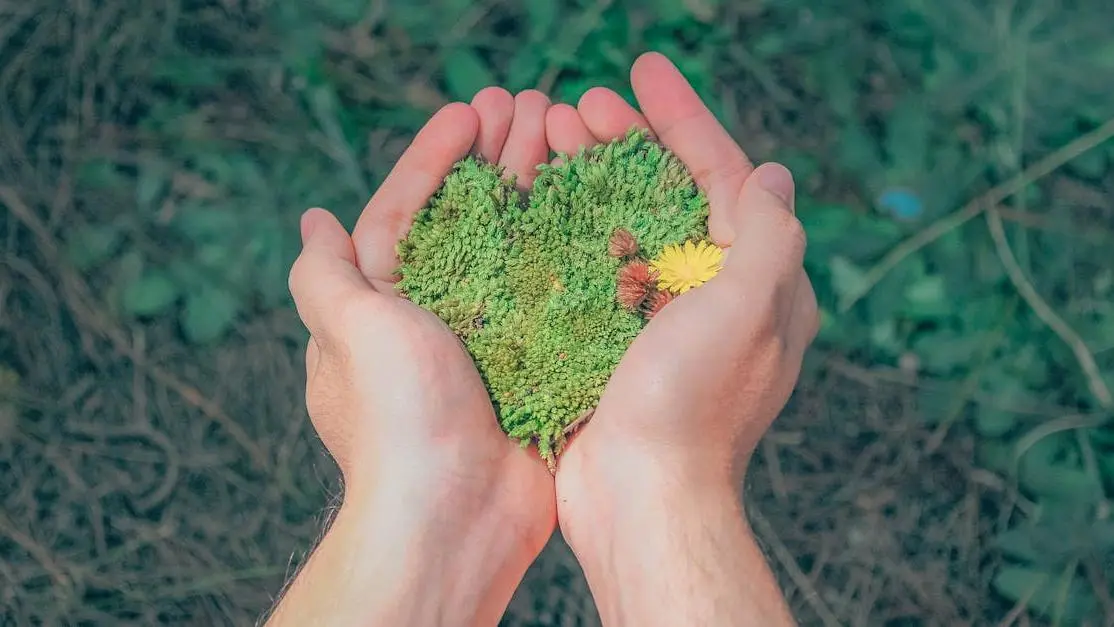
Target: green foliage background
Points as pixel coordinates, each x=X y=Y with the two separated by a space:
x=156 y=157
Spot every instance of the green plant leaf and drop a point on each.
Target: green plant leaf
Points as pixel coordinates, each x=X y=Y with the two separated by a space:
x=1045 y=593
x=215 y=255
x=100 y=173
x=150 y=186
x=829 y=326
x=703 y=10
x=945 y=351
x=524 y=70
x=907 y=134
x=209 y=312
x=203 y=223
x=151 y=294
x=995 y=455
x=543 y=15
x=993 y=422
x=239 y=171
x=184 y=70
x=1106 y=465
x=344 y=11
x=670 y=11
x=839 y=89
x=301 y=37
x=1091 y=164
x=927 y=297
x=825 y=223
x=941 y=401
x=271 y=264
x=883 y=335
x=1018 y=543
x=466 y=73
x=1057 y=481
x=91 y=244
x=847 y=278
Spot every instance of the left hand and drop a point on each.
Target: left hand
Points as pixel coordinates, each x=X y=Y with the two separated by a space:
x=393 y=394
x=698 y=388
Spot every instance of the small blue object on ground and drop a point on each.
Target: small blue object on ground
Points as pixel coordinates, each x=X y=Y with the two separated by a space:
x=901 y=203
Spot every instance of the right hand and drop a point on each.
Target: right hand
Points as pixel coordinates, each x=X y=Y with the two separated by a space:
x=704 y=380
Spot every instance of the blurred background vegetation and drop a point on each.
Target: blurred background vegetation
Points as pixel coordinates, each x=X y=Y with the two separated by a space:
x=948 y=458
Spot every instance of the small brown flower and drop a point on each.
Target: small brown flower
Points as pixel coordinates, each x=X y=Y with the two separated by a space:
x=655 y=301
x=622 y=244
x=636 y=280
x=630 y=295
x=639 y=272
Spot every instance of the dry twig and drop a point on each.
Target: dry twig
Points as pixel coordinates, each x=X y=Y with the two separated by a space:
x=84 y=303
x=1025 y=288
x=991 y=198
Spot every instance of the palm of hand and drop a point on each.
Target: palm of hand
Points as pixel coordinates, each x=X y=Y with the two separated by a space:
x=704 y=380
x=391 y=391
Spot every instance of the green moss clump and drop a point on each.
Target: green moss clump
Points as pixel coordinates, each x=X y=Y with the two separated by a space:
x=529 y=287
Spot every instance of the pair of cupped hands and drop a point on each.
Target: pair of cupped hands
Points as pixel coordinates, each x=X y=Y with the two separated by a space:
x=400 y=405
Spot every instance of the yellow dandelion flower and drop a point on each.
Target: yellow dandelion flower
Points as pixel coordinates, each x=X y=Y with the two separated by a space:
x=683 y=267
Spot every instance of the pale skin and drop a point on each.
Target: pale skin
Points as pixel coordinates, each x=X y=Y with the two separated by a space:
x=442 y=514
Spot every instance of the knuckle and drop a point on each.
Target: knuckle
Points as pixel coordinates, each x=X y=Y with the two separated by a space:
x=790 y=228
x=768 y=322
x=759 y=301
x=298 y=274
x=776 y=234
x=807 y=307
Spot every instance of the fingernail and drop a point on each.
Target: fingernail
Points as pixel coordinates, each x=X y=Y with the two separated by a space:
x=776 y=179
x=307 y=226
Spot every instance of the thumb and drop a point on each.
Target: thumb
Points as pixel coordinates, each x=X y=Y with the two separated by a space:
x=322 y=232
x=769 y=239
x=324 y=275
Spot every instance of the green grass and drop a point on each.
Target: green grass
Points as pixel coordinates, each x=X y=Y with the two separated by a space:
x=951 y=427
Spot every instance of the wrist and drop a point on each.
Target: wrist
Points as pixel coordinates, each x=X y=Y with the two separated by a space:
x=435 y=563
x=665 y=543
x=396 y=556
x=626 y=478
x=634 y=501
x=649 y=533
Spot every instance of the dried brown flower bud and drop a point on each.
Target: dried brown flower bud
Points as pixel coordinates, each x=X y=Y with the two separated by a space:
x=636 y=280
x=655 y=301
x=630 y=295
x=638 y=272
x=622 y=244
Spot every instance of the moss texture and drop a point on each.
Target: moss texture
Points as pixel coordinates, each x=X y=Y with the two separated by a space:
x=528 y=284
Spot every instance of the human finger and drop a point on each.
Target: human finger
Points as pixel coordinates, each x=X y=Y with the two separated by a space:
x=495 y=108
x=684 y=124
x=607 y=115
x=526 y=147
x=445 y=139
x=770 y=241
x=565 y=131
x=324 y=274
